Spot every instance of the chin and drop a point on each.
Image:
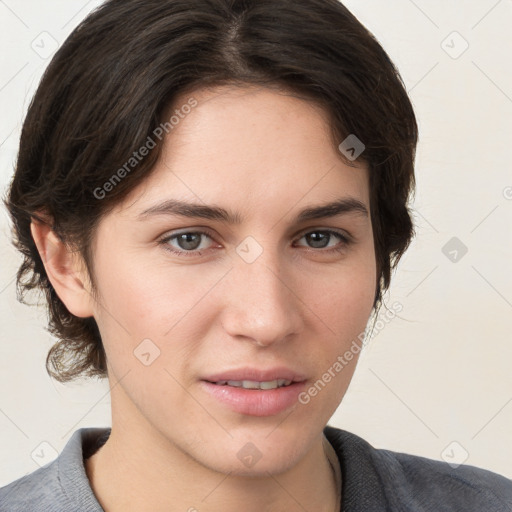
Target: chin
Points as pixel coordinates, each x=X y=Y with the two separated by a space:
x=255 y=454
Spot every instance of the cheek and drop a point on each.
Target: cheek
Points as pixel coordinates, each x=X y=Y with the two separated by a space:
x=133 y=291
x=346 y=298
x=342 y=312
x=158 y=302
x=340 y=309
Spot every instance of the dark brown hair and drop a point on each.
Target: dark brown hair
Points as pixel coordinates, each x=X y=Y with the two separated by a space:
x=110 y=84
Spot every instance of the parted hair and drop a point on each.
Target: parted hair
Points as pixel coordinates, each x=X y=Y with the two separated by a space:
x=108 y=87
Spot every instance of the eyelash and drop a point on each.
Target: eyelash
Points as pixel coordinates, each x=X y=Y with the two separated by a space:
x=345 y=242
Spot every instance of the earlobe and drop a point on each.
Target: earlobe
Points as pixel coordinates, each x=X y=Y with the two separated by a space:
x=65 y=270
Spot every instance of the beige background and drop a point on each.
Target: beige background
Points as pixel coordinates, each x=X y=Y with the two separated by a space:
x=435 y=381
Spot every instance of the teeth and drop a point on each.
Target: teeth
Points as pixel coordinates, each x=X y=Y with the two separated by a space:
x=246 y=384
x=252 y=384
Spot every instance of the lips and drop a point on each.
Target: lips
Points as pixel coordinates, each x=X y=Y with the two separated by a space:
x=256 y=375
x=252 y=384
x=254 y=402
x=255 y=392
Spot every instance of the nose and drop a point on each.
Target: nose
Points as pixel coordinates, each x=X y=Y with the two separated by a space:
x=262 y=303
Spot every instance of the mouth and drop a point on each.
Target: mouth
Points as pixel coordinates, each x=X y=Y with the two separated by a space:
x=253 y=384
x=255 y=392
x=254 y=378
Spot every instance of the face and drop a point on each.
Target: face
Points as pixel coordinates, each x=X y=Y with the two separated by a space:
x=190 y=298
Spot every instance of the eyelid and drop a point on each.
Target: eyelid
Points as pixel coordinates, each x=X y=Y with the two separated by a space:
x=299 y=234
x=345 y=237
x=337 y=231
x=194 y=230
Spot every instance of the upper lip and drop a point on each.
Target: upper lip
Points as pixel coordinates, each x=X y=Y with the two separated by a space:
x=256 y=375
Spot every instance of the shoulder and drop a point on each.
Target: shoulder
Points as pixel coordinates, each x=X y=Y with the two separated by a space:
x=411 y=482
x=60 y=485
x=456 y=487
x=40 y=487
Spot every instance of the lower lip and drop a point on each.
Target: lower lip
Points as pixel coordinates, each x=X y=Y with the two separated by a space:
x=256 y=402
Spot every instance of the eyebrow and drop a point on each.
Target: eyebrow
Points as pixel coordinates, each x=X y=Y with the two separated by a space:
x=171 y=207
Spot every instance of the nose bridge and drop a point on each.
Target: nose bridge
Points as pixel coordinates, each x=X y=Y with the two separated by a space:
x=260 y=302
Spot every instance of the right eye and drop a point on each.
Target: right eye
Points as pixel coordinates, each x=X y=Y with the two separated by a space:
x=188 y=243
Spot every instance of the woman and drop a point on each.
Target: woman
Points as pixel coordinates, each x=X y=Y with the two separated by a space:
x=213 y=195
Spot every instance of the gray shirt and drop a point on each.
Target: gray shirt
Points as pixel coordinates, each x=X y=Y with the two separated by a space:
x=373 y=480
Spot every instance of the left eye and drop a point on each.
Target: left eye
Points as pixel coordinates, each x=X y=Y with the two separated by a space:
x=319 y=242
x=189 y=242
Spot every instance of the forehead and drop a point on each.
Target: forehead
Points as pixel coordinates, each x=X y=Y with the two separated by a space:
x=253 y=148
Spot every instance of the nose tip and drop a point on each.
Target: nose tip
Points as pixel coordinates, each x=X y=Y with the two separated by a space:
x=261 y=305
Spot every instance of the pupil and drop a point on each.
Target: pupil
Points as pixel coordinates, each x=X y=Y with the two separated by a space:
x=188 y=242
x=318 y=237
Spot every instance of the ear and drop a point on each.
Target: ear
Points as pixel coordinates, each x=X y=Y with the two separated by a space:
x=65 y=269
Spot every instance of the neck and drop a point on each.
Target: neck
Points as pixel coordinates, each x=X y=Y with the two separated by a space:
x=138 y=469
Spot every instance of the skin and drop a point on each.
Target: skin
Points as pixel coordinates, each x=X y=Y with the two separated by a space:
x=266 y=155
